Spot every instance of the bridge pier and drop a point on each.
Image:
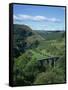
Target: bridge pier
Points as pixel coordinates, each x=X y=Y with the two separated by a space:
x=48 y=62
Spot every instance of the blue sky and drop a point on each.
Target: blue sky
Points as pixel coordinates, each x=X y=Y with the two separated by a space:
x=39 y=17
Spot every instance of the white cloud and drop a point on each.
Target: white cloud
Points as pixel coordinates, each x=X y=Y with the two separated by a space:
x=34 y=18
x=25 y=16
x=15 y=17
x=54 y=20
x=39 y=18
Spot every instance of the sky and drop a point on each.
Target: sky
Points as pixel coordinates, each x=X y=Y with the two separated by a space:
x=39 y=17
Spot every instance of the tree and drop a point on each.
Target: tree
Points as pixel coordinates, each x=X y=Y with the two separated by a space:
x=50 y=77
x=36 y=43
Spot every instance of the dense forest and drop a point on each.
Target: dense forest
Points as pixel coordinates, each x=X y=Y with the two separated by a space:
x=35 y=53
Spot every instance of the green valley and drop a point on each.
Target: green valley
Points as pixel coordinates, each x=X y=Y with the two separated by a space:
x=31 y=46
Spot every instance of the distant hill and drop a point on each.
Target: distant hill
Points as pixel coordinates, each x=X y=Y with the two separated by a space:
x=26 y=31
x=50 y=35
x=24 y=38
